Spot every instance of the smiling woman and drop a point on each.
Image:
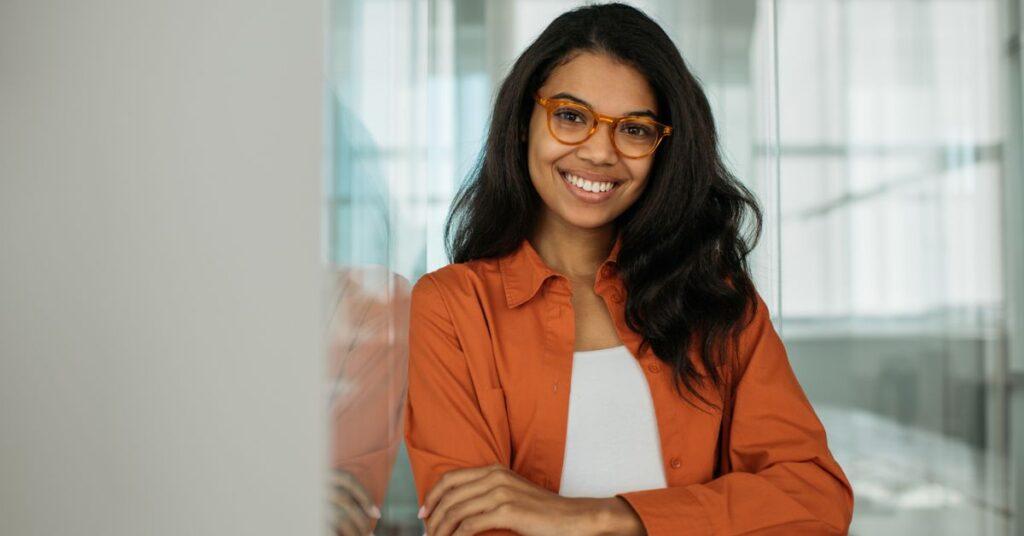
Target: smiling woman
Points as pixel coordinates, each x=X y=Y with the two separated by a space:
x=601 y=217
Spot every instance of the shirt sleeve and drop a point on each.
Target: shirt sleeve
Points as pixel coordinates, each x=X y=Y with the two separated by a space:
x=783 y=478
x=451 y=423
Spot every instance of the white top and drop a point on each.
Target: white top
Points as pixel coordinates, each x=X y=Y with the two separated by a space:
x=612 y=443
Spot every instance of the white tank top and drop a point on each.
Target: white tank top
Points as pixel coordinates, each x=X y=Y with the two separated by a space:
x=612 y=443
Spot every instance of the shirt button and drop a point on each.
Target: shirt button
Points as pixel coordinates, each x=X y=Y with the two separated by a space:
x=654 y=367
x=675 y=463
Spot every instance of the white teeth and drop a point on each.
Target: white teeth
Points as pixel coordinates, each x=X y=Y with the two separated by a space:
x=589 y=186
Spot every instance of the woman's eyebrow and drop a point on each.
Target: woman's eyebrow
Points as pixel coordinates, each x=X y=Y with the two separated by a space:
x=569 y=96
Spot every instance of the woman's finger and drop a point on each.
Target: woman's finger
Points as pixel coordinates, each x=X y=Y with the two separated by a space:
x=496 y=499
x=502 y=516
x=482 y=493
x=345 y=480
x=343 y=505
x=343 y=525
x=452 y=479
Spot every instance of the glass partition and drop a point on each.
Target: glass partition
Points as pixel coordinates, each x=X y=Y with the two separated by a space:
x=891 y=153
x=874 y=132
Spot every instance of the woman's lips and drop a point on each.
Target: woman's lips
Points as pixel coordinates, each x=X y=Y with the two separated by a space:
x=587 y=196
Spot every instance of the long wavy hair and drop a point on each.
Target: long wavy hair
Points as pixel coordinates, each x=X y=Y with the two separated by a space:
x=683 y=258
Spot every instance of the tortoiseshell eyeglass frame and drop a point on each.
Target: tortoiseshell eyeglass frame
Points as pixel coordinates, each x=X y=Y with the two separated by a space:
x=552 y=104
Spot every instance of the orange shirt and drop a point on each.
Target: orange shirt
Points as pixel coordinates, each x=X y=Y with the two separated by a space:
x=491 y=345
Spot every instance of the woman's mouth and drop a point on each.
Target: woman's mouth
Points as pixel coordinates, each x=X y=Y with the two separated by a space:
x=586 y=190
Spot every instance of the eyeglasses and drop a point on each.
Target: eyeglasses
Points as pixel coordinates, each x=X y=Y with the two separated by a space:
x=573 y=123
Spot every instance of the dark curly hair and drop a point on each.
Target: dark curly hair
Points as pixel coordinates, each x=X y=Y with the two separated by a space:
x=683 y=258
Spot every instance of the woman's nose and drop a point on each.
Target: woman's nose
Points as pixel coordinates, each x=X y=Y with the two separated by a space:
x=599 y=148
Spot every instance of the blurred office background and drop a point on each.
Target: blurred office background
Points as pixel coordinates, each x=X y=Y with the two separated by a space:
x=884 y=139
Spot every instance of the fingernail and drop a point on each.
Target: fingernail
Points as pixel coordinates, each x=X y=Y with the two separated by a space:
x=375 y=512
x=420 y=515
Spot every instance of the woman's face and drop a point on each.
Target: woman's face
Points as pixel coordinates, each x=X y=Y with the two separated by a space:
x=610 y=88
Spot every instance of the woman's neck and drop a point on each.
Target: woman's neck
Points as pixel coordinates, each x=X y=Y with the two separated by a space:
x=573 y=251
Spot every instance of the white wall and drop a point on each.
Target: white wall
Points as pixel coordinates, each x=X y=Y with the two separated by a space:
x=160 y=277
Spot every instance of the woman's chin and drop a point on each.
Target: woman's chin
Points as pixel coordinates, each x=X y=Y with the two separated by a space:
x=587 y=221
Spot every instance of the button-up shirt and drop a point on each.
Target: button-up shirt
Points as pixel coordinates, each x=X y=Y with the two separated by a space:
x=491 y=344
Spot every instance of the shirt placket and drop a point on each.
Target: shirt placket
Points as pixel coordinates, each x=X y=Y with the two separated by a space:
x=560 y=335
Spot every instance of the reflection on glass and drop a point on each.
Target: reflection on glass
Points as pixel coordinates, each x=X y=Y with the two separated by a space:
x=367 y=360
x=366 y=343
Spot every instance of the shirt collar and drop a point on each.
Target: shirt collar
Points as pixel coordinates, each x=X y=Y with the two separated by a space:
x=523 y=271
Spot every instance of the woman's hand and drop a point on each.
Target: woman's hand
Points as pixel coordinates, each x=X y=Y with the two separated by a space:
x=351 y=506
x=465 y=502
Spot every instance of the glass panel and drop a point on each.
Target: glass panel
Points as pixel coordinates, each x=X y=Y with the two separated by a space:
x=893 y=306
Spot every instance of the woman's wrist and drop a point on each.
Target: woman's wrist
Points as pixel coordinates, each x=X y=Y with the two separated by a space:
x=613 y=515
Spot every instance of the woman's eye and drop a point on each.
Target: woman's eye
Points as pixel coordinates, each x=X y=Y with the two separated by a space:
x=639 y=131
x=568 y=115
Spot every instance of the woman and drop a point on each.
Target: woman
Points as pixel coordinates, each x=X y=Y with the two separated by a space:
x=597 y=360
